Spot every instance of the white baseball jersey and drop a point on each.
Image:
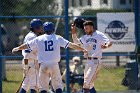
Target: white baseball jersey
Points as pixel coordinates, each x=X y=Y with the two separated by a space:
x=28 y=53
x=93 y=43
x=48 y=47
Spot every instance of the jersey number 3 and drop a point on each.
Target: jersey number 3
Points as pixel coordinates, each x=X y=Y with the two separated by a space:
x=48 y=45
x=94 y=47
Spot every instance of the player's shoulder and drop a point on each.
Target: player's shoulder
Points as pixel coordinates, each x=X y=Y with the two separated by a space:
x=30 y=35
x=99 y=33
x=59 y=36
x=83 y=36
x=41 y=36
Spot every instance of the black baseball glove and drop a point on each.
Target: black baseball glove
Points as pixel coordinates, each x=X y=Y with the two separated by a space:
x=78 y=22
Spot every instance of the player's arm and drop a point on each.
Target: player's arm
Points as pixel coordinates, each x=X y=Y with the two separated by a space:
x=77 y=47
x=64 y=75
x=65 y=43
x=21 y=47
x=107 y=45
x=25 y=61
x=30 y=45
x=74 y=35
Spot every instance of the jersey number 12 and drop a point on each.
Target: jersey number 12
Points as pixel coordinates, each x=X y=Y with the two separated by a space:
x=48 y=45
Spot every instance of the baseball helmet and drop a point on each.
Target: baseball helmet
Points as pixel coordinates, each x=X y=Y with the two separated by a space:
x=48 y=27
x=78 y=22
x=35 y=23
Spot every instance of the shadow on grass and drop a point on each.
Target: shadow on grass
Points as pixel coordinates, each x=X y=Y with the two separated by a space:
x=11 y=81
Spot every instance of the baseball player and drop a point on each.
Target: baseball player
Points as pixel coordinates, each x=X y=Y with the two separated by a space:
x=48 y=47
x=94 y=41
x=30 y=59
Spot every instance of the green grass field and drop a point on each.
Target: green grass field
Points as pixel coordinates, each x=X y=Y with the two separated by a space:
x=109 y=79
x=13 y=81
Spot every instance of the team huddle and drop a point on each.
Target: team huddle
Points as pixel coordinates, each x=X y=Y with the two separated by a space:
x=41 y=52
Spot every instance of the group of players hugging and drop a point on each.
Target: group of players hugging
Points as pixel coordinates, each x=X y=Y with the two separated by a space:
x=41 y=52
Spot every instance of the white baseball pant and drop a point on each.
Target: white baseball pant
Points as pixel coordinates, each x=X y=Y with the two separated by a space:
x=32 y=76
x=90 y=73
x=48 y=71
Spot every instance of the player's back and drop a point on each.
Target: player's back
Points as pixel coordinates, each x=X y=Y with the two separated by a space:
x=49 y=47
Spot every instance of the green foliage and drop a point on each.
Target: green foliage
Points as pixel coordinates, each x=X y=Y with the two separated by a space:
x=94 y=12
x=8 y=6
x=27 y=7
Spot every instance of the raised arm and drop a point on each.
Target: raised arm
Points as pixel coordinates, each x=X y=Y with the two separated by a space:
x=74 y=35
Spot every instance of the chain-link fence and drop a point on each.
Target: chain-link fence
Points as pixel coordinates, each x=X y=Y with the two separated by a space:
x=119 y=69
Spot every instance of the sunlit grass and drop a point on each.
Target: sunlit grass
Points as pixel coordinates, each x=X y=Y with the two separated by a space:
x=109 y=79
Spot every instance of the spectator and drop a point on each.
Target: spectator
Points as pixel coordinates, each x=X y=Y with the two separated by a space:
x=76 y=74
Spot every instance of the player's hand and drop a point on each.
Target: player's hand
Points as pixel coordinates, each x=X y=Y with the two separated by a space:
x=73 y=28
x=15 y=50
x=25 y=69
x=85 y=53
x=107 y=45
x=104 y=46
